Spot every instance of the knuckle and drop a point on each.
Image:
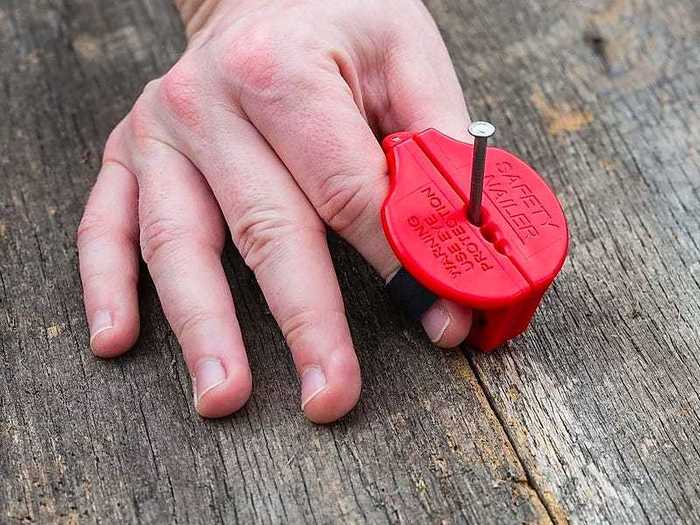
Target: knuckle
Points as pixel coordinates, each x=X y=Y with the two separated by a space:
x=345 y=201
x=262 y=66
x=304 y=321
x=92 y=227
x=94 y=232
x=258 y=71
x=161 y=237
x=250 y=49
x=191 y=321
x=260 y=234
x=113 y=146
x=141 y=123
x=180 y=93
x=300 y=323
x=95 y=226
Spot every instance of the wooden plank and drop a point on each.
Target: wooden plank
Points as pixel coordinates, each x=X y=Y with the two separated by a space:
x=601 y=398
x=84 y=440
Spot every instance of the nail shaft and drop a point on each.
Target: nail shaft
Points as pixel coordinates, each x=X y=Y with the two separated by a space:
x=477 y=189
x=481 y=131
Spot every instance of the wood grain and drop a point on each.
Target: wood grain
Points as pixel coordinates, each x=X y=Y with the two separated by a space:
x=591 y=417
x=600 y=398
x=85 y=440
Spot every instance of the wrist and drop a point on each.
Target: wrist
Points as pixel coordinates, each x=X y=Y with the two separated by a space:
x=195 y=13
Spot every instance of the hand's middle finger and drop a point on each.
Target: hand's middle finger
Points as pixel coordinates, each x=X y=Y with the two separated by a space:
x=283 y=241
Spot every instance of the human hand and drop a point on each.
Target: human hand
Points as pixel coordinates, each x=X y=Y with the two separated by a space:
x=265 y=126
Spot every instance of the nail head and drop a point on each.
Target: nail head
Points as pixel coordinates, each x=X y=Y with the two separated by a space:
x=481 y=129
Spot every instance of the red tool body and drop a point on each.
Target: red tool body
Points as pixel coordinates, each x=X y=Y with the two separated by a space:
x=501 y=268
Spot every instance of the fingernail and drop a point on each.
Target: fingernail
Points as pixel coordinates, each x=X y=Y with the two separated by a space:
x=435 y=322
x=101 y=321
x=208 y=374
x=313 y=382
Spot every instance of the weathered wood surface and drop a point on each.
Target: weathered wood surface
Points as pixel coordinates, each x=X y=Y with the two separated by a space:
x=592 y=417
x=601 y=398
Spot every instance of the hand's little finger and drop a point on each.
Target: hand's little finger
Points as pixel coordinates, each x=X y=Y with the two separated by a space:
x=109 y=263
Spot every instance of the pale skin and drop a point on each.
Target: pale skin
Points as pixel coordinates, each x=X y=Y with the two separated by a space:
x=265 y=128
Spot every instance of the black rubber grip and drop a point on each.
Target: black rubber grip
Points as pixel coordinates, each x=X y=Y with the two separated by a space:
x=410 y=295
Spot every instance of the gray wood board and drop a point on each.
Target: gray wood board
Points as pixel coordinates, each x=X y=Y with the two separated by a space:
x=86 y=440
x=600 y=398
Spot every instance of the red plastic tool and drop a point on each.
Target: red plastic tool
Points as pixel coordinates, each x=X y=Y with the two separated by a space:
x=501 y=268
